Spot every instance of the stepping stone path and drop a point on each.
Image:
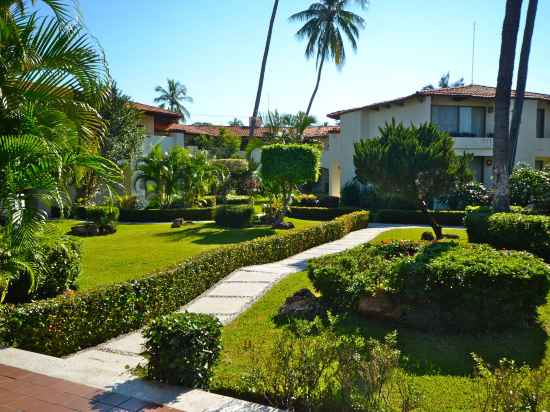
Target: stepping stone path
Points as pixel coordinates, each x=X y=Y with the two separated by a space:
x=108 y=365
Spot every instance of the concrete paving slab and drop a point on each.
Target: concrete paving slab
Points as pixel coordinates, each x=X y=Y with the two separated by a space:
x=249 y=276
x=214 y=305
x=235 y=289
x=130 y=343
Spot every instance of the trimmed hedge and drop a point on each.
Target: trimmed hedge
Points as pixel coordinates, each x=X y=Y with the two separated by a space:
x=166 y=215
x=443 y=285
x=183 y=348
x=417 y=217
x=511 y=231
x=235 y=216
x=318 y=213
x=71 y=322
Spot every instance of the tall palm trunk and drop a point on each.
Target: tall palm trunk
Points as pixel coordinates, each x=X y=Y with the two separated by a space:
x=501 y=143
x=252 y=125
x=522 y=79
x=319 y=72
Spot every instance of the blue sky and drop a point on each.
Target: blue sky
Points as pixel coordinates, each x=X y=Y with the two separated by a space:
x=214 y=47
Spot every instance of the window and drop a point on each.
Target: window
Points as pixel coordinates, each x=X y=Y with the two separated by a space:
x=540 y=123
x=459 y=121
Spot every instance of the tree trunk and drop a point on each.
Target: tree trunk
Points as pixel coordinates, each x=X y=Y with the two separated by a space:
x=316 y=85
x=252 y=124
x=522 y=79
x=501 y=139
x=436 y=227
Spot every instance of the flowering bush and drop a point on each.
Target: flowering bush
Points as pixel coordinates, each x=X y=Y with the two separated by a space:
x=528 y=185
x=469 y=194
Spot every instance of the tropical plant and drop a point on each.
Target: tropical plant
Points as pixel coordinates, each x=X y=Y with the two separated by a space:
x=444 y=82
x=287 y=128
x=325 y=22
x=236 y=123
x=173 y=98
x=225 y=145
x=252 y=124
x=416 y=162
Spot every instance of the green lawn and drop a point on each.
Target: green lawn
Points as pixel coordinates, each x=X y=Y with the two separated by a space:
x=440 y=364
x=138 y=249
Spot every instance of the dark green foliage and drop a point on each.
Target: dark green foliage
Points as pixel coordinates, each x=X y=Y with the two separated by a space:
x=469 y=194
x=208 y=201
x=235 y=216
x=528 y=185
x=166 y=215
x=58 y=260
x=306 y=200
x=329 y=201
x=438 y=285
x=68 y=323
x=236 y=200
x=417 y=217
x=102 y=215
x=351 y=194
x=182 y=348
x=416 y=162
x=318 y=213
x=235 y=166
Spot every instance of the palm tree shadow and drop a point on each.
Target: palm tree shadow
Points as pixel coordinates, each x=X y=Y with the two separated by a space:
x=211 y=234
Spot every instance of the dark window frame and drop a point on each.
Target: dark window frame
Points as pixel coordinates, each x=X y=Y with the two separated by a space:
x=540 y=122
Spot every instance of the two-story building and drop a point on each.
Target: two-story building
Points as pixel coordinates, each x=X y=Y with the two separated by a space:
x=466 y=113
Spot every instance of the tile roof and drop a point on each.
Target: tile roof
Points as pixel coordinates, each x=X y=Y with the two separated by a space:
x=311 y=132
x=474 y=90
x=155 y=110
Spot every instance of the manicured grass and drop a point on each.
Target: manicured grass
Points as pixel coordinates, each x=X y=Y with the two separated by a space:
x=138 y=249
x=441 y=365
x=416 y=233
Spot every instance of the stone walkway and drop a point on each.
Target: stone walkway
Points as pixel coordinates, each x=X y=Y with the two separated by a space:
x=108 y=365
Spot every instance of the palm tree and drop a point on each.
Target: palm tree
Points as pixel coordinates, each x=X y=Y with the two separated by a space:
x=236 y=123
x=501 y=140
x=522 y=78
x=444 y=82
x=324 y=23
x=252 y=125
x=173 y=98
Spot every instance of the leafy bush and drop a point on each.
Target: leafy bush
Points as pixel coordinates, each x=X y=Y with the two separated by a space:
x=469 y=194
x=510 y=387
x=528 y=185
x=102 y=216
x=442 y=285
x=207 y=201
x=127 y=202
x=235 y=166
x=318 y=213
x=236 y=200
x=166 y=215
x=329 y=201
x=68 y=323
x=307 y=200
x=182 y=348
x=417 y=217
x=57 y=265
x=235 y=216
x=311 y=367
x=351 y=194
x=511 y=231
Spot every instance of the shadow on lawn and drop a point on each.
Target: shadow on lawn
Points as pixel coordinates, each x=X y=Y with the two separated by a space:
x=430 y=353
x=211 y=234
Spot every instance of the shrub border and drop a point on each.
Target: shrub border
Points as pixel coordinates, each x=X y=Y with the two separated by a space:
x=417 y=217
x=71 y=322
x=166 y=215
x=319 y=213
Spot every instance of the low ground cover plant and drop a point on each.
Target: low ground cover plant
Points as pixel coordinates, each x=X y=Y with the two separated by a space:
x=449 y=286
x=182 y=348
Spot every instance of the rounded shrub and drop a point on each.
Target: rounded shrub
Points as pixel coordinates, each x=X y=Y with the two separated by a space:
x=102 y=215
x=235 y=216
x=182 y=348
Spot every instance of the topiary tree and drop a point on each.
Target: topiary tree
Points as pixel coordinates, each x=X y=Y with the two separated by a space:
x=416 y=162
x=284 y=168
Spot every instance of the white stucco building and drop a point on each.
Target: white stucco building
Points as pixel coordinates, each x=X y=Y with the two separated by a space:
x=467 y=113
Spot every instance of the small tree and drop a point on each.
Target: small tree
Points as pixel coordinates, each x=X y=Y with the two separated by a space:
x=285 y=167
x=416 y=162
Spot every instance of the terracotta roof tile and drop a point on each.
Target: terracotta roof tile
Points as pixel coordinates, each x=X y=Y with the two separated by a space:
x=155 y=110
x=474 y=90
x=311 y=132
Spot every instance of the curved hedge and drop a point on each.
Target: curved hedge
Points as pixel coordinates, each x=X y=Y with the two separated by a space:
x=511 y=231
x=318 y=213
x=68 y=323
x=165 y=215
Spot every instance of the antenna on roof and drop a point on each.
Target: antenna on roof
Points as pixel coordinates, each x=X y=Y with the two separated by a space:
x=473 y=51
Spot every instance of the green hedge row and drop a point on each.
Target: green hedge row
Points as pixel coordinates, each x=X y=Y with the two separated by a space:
x=417 y=217
x=166 y=215
x=318 y=213
x=511 y=231
x=68 y=323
